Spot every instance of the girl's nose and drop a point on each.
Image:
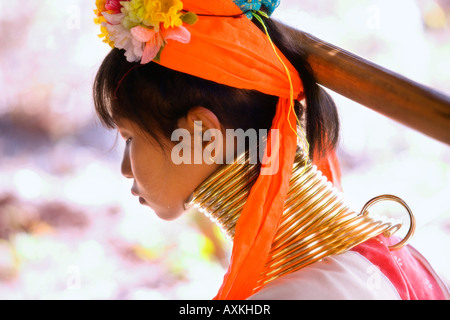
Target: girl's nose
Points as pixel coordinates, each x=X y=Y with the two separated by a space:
x=126 y=164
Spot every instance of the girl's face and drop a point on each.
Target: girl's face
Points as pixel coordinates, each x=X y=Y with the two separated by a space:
x=158 y=181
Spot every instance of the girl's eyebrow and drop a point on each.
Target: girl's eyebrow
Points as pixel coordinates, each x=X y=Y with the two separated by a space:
x=122 y=130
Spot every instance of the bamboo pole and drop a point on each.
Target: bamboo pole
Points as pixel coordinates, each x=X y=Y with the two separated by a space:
x=386 y=92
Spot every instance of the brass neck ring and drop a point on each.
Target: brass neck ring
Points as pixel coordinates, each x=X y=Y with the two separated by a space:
x=412 y=225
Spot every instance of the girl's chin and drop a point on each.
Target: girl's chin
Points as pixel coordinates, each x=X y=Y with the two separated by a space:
x=163 y=212
x=168 y=214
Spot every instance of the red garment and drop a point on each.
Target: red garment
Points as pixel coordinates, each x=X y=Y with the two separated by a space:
x=406 y=269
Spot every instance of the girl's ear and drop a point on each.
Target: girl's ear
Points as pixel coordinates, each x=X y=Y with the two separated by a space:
x=202 y=116
x=207 y=133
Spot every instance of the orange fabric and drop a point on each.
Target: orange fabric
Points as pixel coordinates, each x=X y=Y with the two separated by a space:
x=230 y=51
x=330 y=168
x=260 y=216
x=234 y=52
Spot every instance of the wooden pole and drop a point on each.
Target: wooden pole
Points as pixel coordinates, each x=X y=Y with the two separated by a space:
x=412 y=104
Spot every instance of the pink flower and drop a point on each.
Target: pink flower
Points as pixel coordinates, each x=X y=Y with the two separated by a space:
x=113 y=5
x=156 y=40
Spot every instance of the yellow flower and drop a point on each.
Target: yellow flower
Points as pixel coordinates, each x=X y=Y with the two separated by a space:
x=104 y=34
x=134 y=13
x=101 y=20
x=100 y=4
x=164 y=11
x=152 y=13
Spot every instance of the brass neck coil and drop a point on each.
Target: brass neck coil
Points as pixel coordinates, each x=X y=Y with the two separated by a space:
x=316 y=221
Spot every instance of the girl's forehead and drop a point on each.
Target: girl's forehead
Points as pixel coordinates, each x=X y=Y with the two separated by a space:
x=124 y=124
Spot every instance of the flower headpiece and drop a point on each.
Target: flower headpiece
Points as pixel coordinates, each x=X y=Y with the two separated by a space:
x=142 y=27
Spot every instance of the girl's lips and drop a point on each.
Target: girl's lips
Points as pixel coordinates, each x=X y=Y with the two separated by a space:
x=135 y=193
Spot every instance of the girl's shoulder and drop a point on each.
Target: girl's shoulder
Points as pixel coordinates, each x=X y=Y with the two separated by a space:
x=348 y=276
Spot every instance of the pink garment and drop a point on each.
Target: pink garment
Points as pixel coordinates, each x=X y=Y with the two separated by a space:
x=406 y=269
x=370 y=271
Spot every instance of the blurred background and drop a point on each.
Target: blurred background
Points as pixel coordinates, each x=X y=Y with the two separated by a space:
x=69 y=226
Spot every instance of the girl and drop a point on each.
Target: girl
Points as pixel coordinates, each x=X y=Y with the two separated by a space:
x=181 y=76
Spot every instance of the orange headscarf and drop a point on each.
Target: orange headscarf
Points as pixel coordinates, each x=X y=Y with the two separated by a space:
x=234 y=52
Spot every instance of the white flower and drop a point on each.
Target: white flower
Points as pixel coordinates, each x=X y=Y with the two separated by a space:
x=113 y=18
x=123 y=38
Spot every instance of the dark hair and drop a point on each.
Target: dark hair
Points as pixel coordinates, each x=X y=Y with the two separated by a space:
x=156 y=97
